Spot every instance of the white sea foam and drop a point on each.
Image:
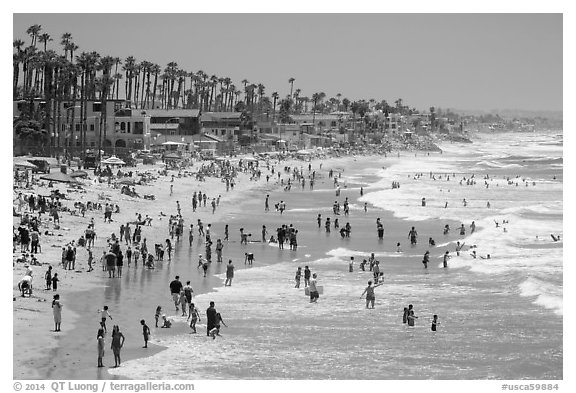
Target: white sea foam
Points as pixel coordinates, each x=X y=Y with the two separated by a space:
x=546 y=294
x=533 y=212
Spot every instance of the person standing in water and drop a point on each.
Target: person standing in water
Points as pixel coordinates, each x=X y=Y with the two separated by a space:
x=100 y=347
x=369 y=291
x=426 y=259
x=314 y=294
x=434 y=322
x=413 y=235
x=446 y=257
x=117 y=344
x=194 y=316
x=306 y=276
x=229 y=273
x=298 y=276
x=411 y=317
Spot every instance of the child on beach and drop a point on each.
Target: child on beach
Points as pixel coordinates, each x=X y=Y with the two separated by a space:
x=57 y=311
x=215 y=331
x=183 y=301
x=48 y=277
x=166 y=322
x=55 y=280
x=145 y=332
x=193 y=316
x=104 y=315
x=157 y=315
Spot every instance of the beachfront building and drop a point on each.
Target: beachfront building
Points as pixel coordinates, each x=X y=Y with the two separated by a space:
x=223 y=125
x=173 y=129
x=322 y=122
x=111 y=126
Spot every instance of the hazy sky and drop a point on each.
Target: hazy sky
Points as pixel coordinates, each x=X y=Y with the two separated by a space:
x=465 y=61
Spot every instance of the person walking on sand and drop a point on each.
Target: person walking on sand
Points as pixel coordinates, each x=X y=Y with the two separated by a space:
x=229 y=273
x=145 y=332
x=57 y=312
x=175 y=287
x=117 y=344
x=48 y=278
x=193 y=316
x=369 y=291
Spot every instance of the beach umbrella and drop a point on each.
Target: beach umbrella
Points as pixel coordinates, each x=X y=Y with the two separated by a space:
x=59 y=177
x=113 y=161
x=24 y=164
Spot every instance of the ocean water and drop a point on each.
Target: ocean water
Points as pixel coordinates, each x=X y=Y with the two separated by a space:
x=499 y=318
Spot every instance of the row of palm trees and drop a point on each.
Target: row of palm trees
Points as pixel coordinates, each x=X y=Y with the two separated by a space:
x=76 y=78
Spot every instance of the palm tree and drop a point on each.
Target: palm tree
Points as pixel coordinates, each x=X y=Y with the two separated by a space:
x=346 y=104
x=275 y=97
x=117 y=77
x=261 y=89
x=128 y=68
x=245 y=83
x=296 y=95
x=45 y=38
x=16 y=60
x=65 y=40
x=33 y=31
x=104 y=84
x=181 y=76
x=145 y=65
x=155 y=69
x=71 y=47
x=291 y=81
x=237 y=93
